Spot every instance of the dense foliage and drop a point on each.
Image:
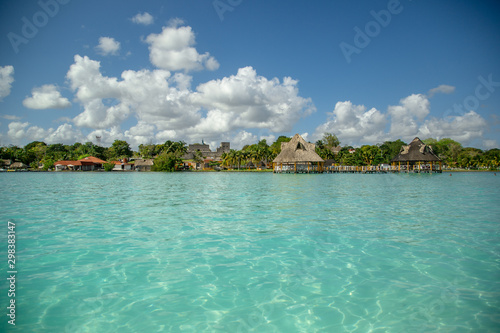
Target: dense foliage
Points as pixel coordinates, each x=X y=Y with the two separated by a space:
x=168 y=156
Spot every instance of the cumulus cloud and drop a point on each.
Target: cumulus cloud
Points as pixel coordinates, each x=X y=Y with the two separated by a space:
x=153 y=96
x=463 y=129
x=441 y=89
x=173 y=50
x=407 y=116
x=108 y=136
x=247 y=100
x=166 y=107
x=46 y=97
x=354 y=124
x=144 y=19
x=18 y=131
x=108 y=46
x=6 y=79
x=65 y=133
x=243 y=138
x=163 y=102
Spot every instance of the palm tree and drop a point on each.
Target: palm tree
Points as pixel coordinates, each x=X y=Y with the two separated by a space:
x=225 y=159
x=233 y=157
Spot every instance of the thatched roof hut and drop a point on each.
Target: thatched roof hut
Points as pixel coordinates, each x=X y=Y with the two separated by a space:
x=298 y=156
x=18 y=165
x=144 y=164
x=418 y=154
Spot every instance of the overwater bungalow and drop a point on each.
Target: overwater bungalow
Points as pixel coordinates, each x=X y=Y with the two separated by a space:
x=298 y=156
x=417 y=157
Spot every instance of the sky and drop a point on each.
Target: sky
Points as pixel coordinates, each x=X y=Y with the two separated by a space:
x=242 y=71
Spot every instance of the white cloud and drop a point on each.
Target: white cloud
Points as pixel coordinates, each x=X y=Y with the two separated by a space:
x=243 y=138
x=463 y=129
x=140 y=133
x=407 y=116
x=108 y=136
x=353 y=124
x=25 y=132
x=10 y=117
x=65 y=134
x=269 y=138
x=46 y=97
x=166 y=107
x=6 y=79
x=173 y=50
x=443 y=89
x=246 y=100
x=144 y=18
x=108 y=46
x=19 y=131
x=99 y=115
x=153 y=96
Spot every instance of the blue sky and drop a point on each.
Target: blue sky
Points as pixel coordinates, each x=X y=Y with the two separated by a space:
x=240 y=71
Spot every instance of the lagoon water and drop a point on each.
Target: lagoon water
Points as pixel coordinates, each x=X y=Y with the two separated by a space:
x=253 y=252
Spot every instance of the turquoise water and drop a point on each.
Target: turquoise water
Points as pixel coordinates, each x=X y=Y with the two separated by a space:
x=253 y=252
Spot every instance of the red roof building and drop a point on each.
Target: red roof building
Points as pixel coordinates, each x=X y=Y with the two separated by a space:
x=68 y=165
x=85 y=164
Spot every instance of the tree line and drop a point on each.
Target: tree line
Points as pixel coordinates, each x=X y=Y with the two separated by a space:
x=168 y=156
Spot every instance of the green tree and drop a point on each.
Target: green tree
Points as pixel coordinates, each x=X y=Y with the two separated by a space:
x=446 y=149
x=48 y=164
x=492 y=158
x=391 y=149
x=108 y=166
x=147 y=151
x=370 y=155
x=167 y=161
x=120 y=149
x=276 y=146
x=330 y=140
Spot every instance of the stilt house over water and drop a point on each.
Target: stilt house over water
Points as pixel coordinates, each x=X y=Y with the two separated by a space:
x=417 y=157
x=298 y=156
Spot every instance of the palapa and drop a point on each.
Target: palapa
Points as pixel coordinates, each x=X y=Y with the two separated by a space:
x=416 y=151
x=300 y=155
x=417 y=157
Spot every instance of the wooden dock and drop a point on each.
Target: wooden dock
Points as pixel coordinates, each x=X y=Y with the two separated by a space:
x=378 y=169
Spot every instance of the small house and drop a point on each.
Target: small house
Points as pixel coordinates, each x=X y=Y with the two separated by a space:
x=67 y=165
x=91 y=163
x=144 y=164
x=122 y=166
